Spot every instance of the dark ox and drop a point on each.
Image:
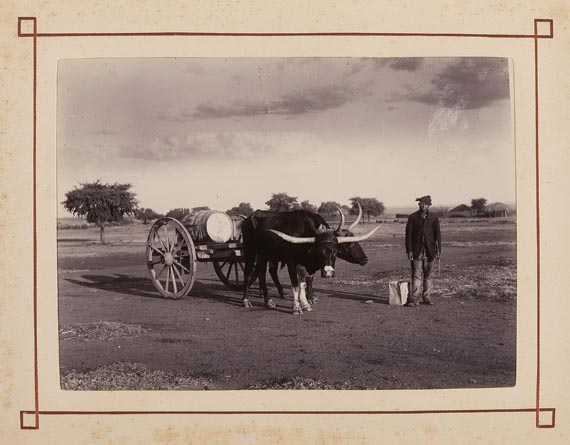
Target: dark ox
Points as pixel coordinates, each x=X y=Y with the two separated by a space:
x=301 y=240
x=351 y=252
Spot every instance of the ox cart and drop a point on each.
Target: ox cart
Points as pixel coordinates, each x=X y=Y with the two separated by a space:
x=174 y=248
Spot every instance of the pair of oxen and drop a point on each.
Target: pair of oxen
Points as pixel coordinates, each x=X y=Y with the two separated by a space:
x=302 y=241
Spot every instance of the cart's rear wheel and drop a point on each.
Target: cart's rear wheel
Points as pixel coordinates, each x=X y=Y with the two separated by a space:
x=171 y=258
x=231 y=273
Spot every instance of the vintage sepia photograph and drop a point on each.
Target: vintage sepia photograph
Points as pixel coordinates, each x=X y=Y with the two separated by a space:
x=322 y=223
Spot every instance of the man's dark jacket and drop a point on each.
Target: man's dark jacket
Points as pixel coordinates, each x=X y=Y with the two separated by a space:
x=415 y=235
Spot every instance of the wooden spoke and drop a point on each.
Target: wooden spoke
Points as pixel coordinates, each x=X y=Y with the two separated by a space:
x=167 y=238
x=174 y=280
x=179 y=275
x=156 y=250
x=179 y=264
x=167 y=279
x=156 y=232
x=229 y=272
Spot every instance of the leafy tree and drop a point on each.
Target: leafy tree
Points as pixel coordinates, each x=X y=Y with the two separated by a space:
x=145 y=215
x=479 y=205
x=281 y=202
x=101 y=203
x=370 y=207
x=196 y=209
x=244 y=208
x=328 y=207
x=306 y=205
x=178 y=213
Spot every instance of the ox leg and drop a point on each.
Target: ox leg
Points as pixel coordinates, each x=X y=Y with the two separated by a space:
x=302 y=273
x=310 y=292
x=273 y=267
x=261 y=289
x=262 y=271
x=295 y=287
x=248 y=276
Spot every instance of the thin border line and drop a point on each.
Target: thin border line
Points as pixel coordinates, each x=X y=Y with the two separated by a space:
x=537 y=226
x=299 y=412
x=35 y=36
x=284 y=34
x=35 y=237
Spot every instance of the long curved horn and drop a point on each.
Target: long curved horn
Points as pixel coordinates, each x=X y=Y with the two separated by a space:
x=293 y=239
x=338 y=229
x=356 y=239
x=355 y=223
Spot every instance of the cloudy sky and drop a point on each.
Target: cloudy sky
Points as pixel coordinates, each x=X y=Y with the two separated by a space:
x=215 y=132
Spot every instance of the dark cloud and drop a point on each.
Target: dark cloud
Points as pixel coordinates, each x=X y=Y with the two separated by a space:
x=307 y=101
x=468 y=83
x=312 y=100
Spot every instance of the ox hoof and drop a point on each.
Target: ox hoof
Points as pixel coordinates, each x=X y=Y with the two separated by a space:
x=247 y=303
x=297 y=310
x=307 y=308
x=270 y=304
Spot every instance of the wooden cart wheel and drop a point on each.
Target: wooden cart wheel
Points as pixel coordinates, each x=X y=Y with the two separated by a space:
x=171 y=258
x=231 y=273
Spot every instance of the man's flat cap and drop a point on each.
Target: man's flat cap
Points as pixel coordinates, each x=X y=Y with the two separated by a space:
x=425 y=199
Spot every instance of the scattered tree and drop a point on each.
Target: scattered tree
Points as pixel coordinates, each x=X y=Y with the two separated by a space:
x=101 y=203
x=244 y=208
x=146 y=215
x=328 y=207
x=370 y=207
x=178 y=214
x=197 y=209
x=281 y=202
x=306 y=205
x=479 y=205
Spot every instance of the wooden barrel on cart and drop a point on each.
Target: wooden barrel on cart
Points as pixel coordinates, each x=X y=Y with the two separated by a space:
x=207 y=226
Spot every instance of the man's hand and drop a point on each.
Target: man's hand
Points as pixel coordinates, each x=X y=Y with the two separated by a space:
x=410 y=256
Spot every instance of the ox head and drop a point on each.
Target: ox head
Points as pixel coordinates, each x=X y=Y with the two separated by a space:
x=351 y=252
x=326 y=246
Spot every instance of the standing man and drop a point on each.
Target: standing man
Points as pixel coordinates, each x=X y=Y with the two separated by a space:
x=423 y=245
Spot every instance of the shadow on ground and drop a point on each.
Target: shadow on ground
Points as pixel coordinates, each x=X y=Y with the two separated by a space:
x=208 y=289
x=143 y=287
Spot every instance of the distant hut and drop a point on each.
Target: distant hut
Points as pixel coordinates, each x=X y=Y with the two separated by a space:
x=498 y=209
x=461 y=211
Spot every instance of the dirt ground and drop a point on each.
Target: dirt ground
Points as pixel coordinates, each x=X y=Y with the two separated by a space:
x=116 y=332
